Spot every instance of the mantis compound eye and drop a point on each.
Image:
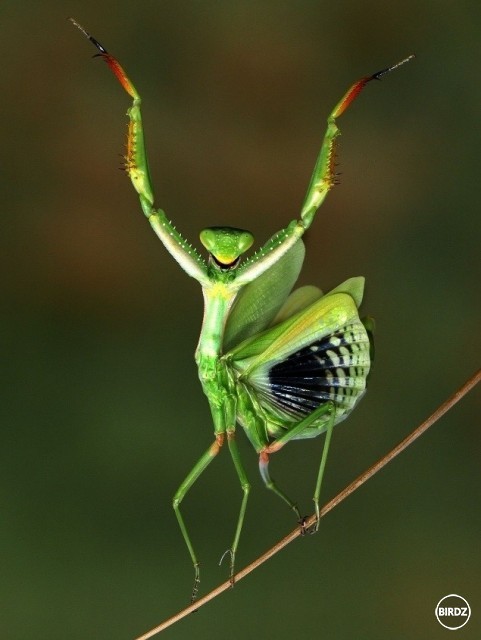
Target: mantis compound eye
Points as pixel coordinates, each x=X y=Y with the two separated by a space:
x=226 y=244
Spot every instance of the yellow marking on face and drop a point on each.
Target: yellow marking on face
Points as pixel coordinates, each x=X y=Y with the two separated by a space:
x=225 y=258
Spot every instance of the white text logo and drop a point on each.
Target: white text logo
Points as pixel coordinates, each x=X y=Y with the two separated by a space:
x=453 y=612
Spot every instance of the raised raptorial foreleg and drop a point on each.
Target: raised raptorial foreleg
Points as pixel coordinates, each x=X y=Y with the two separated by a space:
x=322 y=180
x=137 y=168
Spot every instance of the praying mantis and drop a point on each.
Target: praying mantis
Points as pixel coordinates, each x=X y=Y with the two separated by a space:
x=284 y=366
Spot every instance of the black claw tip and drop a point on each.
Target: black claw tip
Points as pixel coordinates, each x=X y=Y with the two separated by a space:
x=102 y=49
x=378 y=75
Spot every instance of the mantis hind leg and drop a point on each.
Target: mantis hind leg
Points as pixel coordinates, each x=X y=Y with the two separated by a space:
x=199 y=467
x=322 y=466
x=245 y=486
x=295 y=431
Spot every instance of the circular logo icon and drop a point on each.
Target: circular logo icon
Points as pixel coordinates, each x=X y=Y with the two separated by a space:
x=453 y=612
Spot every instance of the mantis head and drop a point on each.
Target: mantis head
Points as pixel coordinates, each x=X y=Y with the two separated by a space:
x=226 y=245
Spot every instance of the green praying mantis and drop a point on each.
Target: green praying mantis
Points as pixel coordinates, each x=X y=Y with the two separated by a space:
x=285 y=366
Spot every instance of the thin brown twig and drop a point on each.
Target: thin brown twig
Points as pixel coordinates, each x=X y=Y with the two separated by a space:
x=360 y=480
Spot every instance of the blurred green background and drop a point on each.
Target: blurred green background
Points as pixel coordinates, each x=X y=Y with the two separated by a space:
x=103 y=414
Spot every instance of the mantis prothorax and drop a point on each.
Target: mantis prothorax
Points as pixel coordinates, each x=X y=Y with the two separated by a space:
x=283 y=365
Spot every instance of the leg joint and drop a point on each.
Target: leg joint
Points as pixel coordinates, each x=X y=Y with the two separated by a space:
x=246 y=487
x=216 y=446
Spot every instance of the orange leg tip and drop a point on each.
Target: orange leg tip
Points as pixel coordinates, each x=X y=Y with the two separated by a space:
x=351 y=95
x=120 y=74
